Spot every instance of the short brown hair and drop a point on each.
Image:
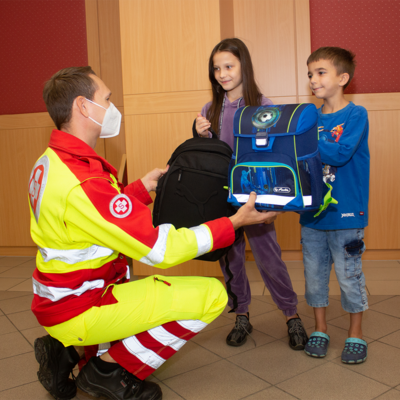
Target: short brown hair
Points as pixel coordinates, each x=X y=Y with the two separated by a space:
x=63 y=88
x=342 y=59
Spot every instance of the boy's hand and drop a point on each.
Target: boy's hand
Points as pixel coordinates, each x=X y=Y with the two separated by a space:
x=151 y=179
x=248 y=215
x=202 y=125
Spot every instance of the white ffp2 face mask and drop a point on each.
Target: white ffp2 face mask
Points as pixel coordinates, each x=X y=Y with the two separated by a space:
x=111 y=121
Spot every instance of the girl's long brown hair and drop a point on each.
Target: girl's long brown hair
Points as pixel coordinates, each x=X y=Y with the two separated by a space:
x=251 y=93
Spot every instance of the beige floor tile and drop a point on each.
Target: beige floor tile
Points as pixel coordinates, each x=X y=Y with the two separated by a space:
x=12 y=295
x=294 y=264
x=393 y=339
x=190 y=357
x=8 y=283
x=217 y=323
x=382 y=273
x=390 y=395
x=380 y=263
x=336 y=343
x=384 y=287
x=18 y=304
x=257 y=288
x=221 y=380
x=390 y=306
x=375 y=324
x=22 y=271
x=31 y=391
x=14 y=261
x=373 y=299
x=275 y=362
x=382 y=365
x=13 y=344
x=271 y=393
x=397 y=387
x=24 y=320
x=24 y=286
x=334 y=310
x=333 y=382
x=274 y=324
x=252 y=272
x=214 y=341
x=6 y=326
x=258 y=307
x=17 y=371
x=33 y=333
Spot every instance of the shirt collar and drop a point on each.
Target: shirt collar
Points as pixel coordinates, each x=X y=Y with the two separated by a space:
x=71 y=144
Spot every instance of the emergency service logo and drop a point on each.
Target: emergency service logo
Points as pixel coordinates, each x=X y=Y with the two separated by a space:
x=120 y=206
x=37 y=184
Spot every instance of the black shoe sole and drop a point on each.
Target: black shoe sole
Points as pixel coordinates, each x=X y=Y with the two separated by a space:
x=97 y=391
x=297 y=347
x=44 y=374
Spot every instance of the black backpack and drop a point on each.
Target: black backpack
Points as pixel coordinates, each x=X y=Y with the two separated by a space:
x=195 y=188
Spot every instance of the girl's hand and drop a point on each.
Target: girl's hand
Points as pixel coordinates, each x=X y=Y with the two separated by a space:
x=202 y=126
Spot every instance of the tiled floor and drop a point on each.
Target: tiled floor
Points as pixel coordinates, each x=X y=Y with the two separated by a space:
x=206 y=368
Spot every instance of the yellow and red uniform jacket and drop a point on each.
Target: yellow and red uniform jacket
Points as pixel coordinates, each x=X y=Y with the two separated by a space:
x=83 y=221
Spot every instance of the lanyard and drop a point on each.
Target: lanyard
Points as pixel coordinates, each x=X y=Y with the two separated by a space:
x=222 y=114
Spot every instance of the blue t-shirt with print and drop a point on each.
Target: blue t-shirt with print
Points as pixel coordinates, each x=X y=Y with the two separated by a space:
x=343 y=145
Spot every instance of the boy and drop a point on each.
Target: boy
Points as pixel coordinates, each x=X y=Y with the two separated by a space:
x=336 y=236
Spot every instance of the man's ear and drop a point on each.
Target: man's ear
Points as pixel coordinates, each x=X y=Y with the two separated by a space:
x=344 y=78
x=80 y=103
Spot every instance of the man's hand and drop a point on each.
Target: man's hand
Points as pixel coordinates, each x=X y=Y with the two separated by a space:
x=150 y=180
x=248 y=215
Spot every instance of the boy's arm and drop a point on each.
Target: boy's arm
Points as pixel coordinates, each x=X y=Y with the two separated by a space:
x=340 y=152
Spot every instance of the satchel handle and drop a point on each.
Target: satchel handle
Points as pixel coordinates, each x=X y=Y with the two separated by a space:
x=195 y=134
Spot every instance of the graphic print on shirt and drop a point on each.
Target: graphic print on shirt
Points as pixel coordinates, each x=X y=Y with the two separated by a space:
x=329 y=172
x=120 y=206
x=37 y=184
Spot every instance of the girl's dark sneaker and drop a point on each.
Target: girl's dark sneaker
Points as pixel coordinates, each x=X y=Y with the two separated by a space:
x=297 y=334
x=238 y=335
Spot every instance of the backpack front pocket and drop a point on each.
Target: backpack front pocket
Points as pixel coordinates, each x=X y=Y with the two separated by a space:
x=275 y=183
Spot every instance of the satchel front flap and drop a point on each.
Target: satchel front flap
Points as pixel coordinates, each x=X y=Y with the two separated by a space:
x=276 y=120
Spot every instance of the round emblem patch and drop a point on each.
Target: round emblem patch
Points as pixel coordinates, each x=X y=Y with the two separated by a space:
x=120 y=206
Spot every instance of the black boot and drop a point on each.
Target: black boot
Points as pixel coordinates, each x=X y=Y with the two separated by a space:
x=297 y=334
x=117 y=384
x=242 y=328
x=56 y=364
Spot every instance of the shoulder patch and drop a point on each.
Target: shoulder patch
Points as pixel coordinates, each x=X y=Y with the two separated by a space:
x=37 y=184
x=120 y=206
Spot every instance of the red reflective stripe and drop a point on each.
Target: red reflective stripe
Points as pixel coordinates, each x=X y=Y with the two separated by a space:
x=150 y=343
x=178 y=330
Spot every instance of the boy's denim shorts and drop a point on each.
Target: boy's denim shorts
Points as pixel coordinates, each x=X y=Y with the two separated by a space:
x=343 y=247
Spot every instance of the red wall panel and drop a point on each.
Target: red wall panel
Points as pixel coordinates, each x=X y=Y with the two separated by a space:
x=38 y=38
x=369 y=28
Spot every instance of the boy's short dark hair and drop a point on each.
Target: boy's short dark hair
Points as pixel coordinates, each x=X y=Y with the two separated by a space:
x=342 y=59
x=63 y=88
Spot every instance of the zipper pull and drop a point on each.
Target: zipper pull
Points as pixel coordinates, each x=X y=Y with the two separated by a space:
x=159 y=280
x=180 y=175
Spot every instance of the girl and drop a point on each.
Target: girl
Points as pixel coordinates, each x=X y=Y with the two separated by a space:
x=233 y=85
